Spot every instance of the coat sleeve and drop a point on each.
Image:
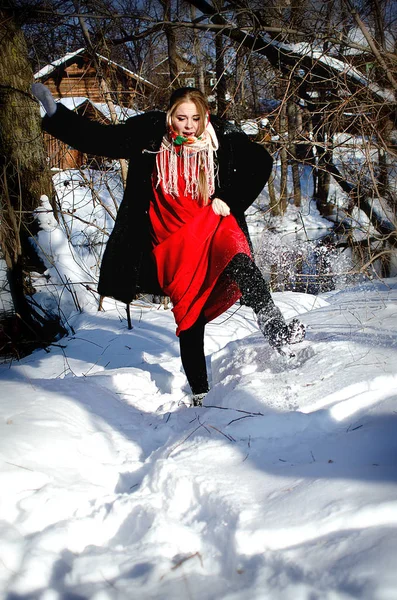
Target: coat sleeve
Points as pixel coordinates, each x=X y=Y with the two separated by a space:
x=92 y=137
x=244 y=169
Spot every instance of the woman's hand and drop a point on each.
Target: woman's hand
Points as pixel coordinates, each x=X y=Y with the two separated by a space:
x=220 y=207
x=43 y=94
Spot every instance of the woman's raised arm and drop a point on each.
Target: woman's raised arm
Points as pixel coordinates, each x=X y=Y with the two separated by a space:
x=86 y=135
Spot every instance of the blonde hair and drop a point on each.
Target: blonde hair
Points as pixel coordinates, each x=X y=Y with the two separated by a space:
x=194 y=95
x=187 y=94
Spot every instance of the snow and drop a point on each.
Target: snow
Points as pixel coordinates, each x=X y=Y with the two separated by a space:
x=250 y=127
x=253 y=126
x=337 y=65
x=122 y=112
x=74 y=102
x=282 y=486
x=44 y=71
x=48 y=69
x=356 y=36
x=5 y=298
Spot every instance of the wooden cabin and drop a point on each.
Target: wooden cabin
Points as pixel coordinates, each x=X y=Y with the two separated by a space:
x=73 y=80
x=61 y=156
x=190 y=74
x=76 y=74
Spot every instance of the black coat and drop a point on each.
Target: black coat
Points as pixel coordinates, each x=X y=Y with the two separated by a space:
x=127 y=266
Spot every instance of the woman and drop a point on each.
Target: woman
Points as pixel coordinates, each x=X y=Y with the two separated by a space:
x=180 y=229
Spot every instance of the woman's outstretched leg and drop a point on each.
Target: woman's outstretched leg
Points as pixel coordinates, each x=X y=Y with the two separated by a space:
x=256 y=294
x=191 y=343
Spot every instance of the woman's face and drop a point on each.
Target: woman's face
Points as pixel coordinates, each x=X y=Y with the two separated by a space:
x=186 y=119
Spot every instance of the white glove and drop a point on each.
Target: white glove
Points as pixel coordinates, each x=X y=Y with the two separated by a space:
x=44 y=95
x=220 y=207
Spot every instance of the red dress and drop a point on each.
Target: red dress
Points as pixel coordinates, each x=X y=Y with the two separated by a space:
x=192 y=246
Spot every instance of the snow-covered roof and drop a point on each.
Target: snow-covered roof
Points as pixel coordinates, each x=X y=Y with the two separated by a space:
x=122 y=112
x=305 y=49
x=71 y=103
x=56 y=63
x=192 y=60
x=250 y=127
x=253 y=126
x=48 y=69
x=111 y=62
x=74 y=102
x=356 y=36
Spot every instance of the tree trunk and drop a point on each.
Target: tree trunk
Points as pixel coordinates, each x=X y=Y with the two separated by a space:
x=292 y=129
x=24 y=175
x=220 y=76
x=323 y=181
x=239 y=87
x=242 y=66
x=172 y=46
x=253 y=86
x=198 y=55
x=274 y=205
x=104 y=87
x=221 y=87
x=283 y=159
x=322 y=135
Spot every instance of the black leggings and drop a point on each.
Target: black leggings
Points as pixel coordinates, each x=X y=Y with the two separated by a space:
x=255 y=293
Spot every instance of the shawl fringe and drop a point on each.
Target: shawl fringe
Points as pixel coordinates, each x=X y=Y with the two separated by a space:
x=188 y=159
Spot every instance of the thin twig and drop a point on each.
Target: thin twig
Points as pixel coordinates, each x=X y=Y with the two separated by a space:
x=247 y=412
x=185 y=558
x=229 y=437
x=239 y=419
x=19 y=466
x=183 y=441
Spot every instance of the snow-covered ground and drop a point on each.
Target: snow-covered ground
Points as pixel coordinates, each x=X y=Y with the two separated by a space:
x=283 y=486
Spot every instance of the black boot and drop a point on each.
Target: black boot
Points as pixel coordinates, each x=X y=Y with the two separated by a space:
x=197 y=399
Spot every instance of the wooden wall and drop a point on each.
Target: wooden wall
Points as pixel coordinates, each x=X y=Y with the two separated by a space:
x=62 y=156
x=79 y=78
